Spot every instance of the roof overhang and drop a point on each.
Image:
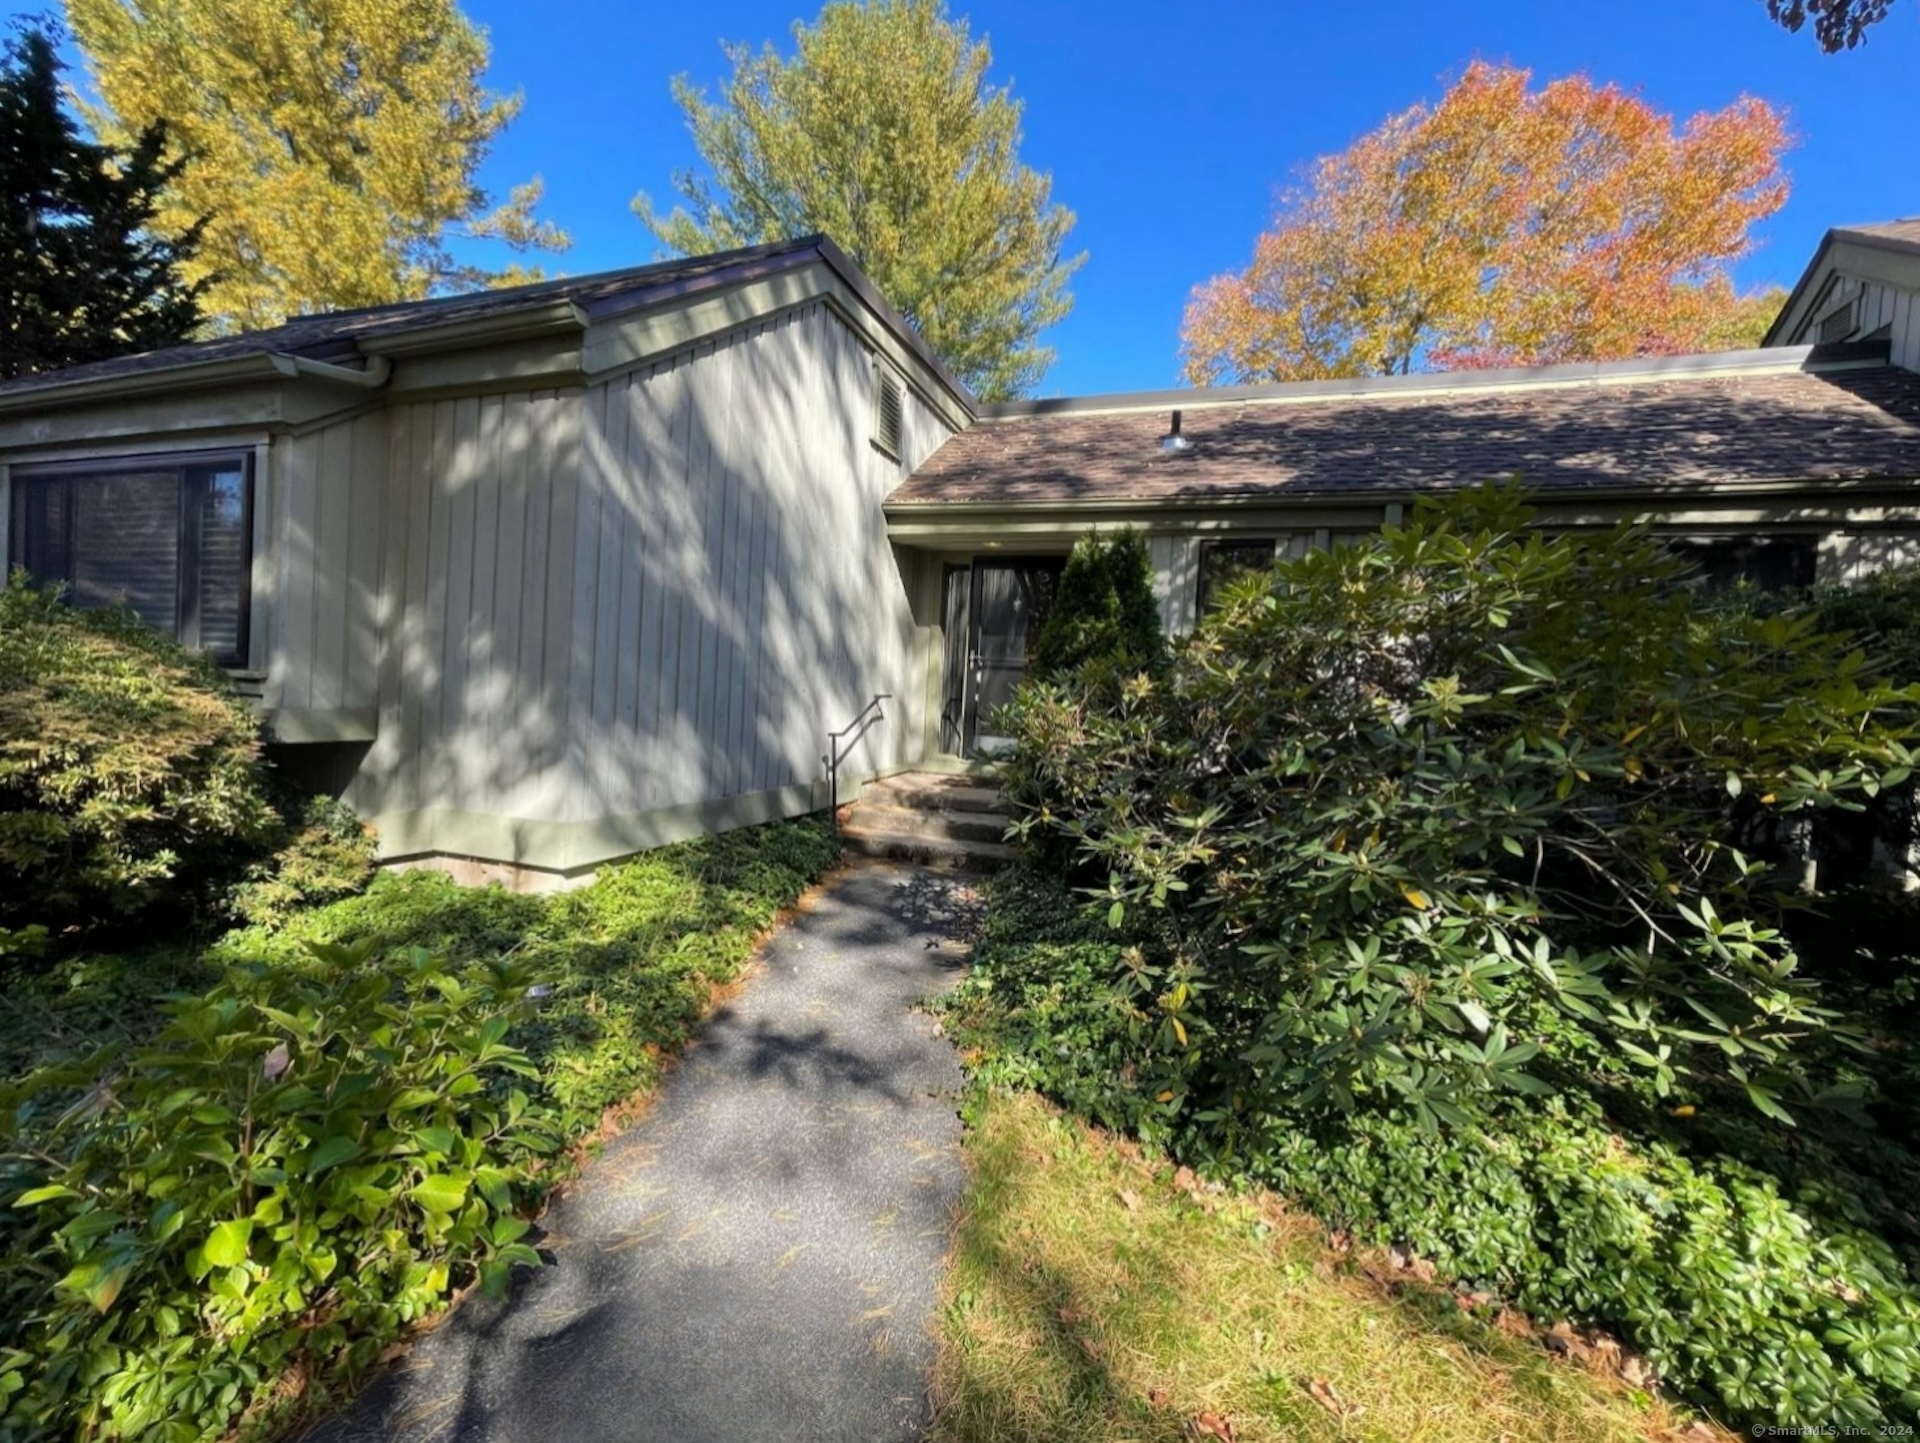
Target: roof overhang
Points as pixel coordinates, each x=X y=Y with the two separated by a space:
x=553 y=342
x=1888 y=259
x=963 y=525
x=255 y=368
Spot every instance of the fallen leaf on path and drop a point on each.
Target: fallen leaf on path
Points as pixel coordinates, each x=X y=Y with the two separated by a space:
x=1158 y=1397
x=1129 y=1198
x=1211 y=1425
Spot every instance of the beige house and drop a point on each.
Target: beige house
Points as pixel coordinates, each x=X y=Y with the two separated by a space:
x=540 y=577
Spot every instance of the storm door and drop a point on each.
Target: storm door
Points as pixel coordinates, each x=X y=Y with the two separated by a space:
x=1008 y=604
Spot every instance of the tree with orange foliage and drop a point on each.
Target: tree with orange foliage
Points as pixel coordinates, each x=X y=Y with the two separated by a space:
x=1502 y=226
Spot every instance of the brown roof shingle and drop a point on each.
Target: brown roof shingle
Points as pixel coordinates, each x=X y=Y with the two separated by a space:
x=1904 y=233
x=1683 y=432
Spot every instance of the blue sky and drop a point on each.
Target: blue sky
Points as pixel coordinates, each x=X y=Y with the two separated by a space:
x=1168 y=129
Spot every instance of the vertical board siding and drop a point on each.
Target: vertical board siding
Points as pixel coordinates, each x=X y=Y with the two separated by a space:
x=1876 y=304
x=330 y=496
x=1906 y=330
x=1176 y=577
x=473 y=596
x=657 y=591
x=1849 y=558
x=324 y=497
x=736 y=594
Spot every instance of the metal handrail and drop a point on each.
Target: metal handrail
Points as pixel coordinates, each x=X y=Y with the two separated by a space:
x=834 y=754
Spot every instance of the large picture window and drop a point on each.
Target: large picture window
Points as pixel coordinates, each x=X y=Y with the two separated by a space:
x=168 y=536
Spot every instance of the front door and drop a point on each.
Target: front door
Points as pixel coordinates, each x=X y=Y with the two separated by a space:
x=1008 y=605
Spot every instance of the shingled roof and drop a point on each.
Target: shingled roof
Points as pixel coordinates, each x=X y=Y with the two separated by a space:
x=1891 y=234
x=342 y=337
x=1736 y=419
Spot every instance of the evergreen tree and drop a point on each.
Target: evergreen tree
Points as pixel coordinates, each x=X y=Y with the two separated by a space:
x=83 y=273
x=1103 y=610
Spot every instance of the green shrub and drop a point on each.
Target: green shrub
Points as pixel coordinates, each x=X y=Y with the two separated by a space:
x=1882 y=613
x=1463 y=812
x=1883 y=610
x=1452 y=880
x=1746 y=1300
x=1103 y=610
x=325 y=853
x=1739 y=1299
x=301 y=1163
x=1037 y=1008
x=130 y=775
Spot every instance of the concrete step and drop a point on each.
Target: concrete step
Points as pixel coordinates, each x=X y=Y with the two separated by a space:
x=876 y=815
x=929 y=791
x=958 y=856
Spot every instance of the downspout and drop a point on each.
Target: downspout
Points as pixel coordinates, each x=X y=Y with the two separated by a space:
x=369 y=377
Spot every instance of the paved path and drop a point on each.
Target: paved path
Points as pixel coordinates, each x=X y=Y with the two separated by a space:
x=759 y=1258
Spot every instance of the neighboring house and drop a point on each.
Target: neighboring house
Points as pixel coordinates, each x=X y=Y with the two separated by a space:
x=536 y=578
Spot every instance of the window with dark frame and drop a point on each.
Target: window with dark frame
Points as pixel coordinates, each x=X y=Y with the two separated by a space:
x=1223 y=561
x=1770 y=563
x=168 y=536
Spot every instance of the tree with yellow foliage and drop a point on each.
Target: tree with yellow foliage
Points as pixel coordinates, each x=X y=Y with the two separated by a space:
x=1503 y=226
x=883 y=132
x=334 y=144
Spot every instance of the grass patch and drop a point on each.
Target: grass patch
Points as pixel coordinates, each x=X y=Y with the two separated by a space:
x=1094 y=1297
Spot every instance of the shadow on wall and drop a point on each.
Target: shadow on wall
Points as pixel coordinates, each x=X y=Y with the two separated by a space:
x=660 y=591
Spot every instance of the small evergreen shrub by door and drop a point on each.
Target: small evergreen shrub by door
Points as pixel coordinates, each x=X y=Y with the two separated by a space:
x=1104 y=610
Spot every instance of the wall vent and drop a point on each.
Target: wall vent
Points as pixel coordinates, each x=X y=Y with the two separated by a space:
x=889 y=410
x=1837 y=325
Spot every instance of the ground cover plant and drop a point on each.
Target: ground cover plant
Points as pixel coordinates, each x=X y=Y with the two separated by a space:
x=220 y=1218
x=1100 y=1294
x=1451 y=883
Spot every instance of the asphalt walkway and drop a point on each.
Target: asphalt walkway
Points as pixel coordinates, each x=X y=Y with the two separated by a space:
x=760 y=1257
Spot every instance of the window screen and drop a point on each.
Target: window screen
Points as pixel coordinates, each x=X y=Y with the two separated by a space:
x=166 y=537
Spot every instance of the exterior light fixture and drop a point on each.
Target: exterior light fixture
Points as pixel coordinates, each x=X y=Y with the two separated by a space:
x=1173 y=443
